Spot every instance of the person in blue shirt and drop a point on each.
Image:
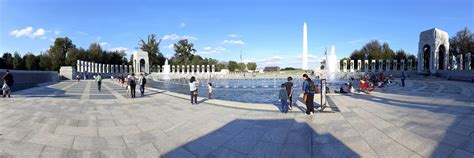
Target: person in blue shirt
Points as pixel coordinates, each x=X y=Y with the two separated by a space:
x=283 y=96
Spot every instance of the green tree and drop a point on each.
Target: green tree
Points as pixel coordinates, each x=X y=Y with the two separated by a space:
x=462 y=43
x=252 y=66
x=58 y=51
x=31 y=62
x=242 y=67
x=45 y=62
x=220 y=66
x=232 y=65
x=184 y=52
x=400 y=54
x=18 y=63
x=153 y=48
x=7 y=61
x=95 y=53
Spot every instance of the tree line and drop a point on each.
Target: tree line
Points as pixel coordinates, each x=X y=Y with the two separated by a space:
x=65 y=53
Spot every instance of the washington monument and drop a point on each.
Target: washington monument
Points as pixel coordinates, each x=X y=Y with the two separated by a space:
x=305 y=47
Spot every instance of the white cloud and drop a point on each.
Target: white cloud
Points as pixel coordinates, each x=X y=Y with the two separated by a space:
x=57 y=32
x=120 y=49
x=274 y=60
x=104 y=44
x=31 y=33
x=177 y=37
x=38 y=33
x=234 y=35
x=356 y=41
x=212 y=50
x=182 y=25
x=234 y=42
x=311 y=58
x=171 y=46
x=23 y=32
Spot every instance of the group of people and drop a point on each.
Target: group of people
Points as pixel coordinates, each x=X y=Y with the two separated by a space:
x=369 y=81
x=131 y=84
x=309 y=88
x=193 y=84
x=7 y=84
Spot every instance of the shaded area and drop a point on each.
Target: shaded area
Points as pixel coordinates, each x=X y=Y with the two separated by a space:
x=264 y=138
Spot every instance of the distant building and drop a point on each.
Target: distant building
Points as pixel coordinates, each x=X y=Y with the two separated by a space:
x=271 y=69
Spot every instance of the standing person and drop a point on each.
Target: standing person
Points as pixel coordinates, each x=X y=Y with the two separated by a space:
x=133 y=83
x=8 y=80
x=142 y=81
x=403 y=79
x=289 y=90
x=98 y=79
x=78 y=77
x=209 y=89
x=283 y=96
x=193 y=89
x=309 y=89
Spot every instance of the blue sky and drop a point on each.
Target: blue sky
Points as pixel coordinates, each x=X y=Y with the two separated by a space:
x=268 y=32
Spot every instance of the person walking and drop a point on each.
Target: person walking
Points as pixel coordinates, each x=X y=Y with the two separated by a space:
x=289 y=90
x=283 y=96
x=403 y=79
x=209 y=90
x=133 y=83
x=309 y=89
x=8 y=83
x=98 y=79
x=193 y=89
x=142 y=81
x=78 y=77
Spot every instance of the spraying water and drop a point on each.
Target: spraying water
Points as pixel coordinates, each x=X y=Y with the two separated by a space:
x=332 y=64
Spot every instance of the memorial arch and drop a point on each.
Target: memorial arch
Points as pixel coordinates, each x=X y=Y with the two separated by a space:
x=433 y=51
x=141 y=64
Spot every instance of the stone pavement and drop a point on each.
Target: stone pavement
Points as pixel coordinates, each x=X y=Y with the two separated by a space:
x=73 y=119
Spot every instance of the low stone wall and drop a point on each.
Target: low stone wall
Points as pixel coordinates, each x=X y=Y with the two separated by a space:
x=459 y=75
x=27 y=79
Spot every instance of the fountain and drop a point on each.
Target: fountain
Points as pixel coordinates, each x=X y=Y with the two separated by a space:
x=332 y=64
x=166 y=71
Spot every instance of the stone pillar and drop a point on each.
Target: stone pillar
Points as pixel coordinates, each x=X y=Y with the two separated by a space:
x=203 y=69
x=344 y=65
x=366 y=65
x=461 y=61
x=78 y=66
x=352 y=66
x=208 y=69
x=213 y=68
x=380 y=65
x=359 y=65
x=395 y=65
x=82 y=66
x=468 y=62
x=192 y=69
x=410 y=65
x=373 y=66
x=388 y=65
x=402 y=65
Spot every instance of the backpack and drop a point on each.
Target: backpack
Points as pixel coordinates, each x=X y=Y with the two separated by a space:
x=311 y=87
x=143 y=81
x=132 y=82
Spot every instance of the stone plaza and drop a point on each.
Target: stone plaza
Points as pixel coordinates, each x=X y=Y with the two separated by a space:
x=428 y=118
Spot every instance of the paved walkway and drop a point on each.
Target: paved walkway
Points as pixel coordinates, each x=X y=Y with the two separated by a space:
x=73 y=119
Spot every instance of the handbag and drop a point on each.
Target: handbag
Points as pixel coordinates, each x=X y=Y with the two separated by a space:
x=5 y=87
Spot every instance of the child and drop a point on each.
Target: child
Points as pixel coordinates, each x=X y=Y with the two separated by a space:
x=209 y=89
x=283 y=96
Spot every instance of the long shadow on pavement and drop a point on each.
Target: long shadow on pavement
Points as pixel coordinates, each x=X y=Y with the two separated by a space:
x=264 y=138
